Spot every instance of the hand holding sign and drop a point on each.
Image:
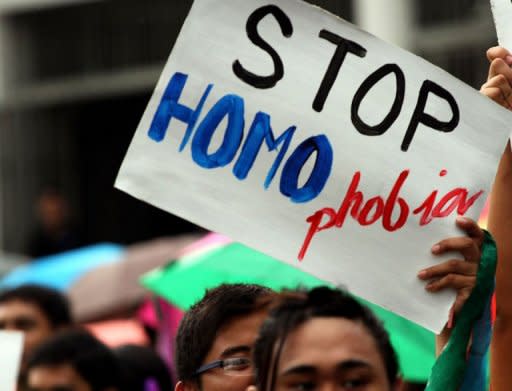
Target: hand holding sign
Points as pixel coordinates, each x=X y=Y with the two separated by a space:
x=457 y=274
x=499 y=81
x=299 y=135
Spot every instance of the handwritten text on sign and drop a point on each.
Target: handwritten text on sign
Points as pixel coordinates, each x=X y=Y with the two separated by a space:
x=277 y=123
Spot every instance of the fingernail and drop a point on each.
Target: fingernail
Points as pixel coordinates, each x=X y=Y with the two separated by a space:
x=422 y=274
x=436 y=248
x=508 y=60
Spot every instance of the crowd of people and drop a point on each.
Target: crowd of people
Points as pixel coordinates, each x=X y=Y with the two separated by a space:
x=60 y=355
x=241 y=337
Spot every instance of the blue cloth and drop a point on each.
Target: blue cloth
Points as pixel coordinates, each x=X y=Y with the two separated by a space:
x=60 y=271
x=475 y=378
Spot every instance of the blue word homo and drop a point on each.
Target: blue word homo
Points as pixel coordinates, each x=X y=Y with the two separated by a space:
x=232 y=107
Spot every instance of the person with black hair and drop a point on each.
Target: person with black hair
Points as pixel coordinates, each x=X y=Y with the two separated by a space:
x=323 y=339
x=142 y=369
x=73 y=361
x=216 y=336
x=38 y=312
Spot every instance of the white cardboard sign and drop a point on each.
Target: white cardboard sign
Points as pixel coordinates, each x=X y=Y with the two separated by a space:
x=308 y=139
x=502 y=13
x=11 y=347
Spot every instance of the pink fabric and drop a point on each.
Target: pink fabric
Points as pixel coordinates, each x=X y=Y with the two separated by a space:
x=116 y=333
x=168 y=327
x=165 y=318
x=208 y=242
x=147 y=315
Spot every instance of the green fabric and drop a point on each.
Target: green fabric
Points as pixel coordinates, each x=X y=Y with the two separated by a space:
x=184 y=282
x=449 y=369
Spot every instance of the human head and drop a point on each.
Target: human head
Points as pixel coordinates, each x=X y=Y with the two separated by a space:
x=321 y=335
x=52 y=209
x=36 y=311
x=138 y=365
x=224 y=324
x=75 y=361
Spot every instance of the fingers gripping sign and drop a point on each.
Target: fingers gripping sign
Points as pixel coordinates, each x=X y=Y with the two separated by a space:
x=498 y=86
x=458 y=273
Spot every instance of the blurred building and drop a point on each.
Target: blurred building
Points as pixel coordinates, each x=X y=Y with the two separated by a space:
x=75 y=77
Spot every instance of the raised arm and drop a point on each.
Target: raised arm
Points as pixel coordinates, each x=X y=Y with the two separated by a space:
x=498 y=87
x=500 y=225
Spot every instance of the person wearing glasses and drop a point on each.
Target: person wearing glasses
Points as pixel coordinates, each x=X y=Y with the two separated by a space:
x=216 y=336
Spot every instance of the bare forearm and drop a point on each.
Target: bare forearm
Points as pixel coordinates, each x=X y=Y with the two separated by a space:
x=500 y=225
x=442 y=340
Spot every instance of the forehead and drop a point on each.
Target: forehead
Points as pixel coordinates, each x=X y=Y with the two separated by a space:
x=51 y=376
x=238 y=331
x=17 y=307
x=327 y=342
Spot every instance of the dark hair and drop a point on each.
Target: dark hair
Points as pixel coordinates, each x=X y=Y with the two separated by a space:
x=295 y=308
x=53 y=304
x=139 y=364
x=90 y=358
x=201 y=323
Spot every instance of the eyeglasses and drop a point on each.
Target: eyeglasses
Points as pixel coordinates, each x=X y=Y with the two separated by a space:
x=237 y=366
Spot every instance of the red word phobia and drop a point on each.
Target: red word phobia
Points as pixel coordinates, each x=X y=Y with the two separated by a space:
x=393 y=211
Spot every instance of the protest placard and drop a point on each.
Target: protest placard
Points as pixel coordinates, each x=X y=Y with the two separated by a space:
x=298 y=134
x=502 y=13
x=11 y=346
